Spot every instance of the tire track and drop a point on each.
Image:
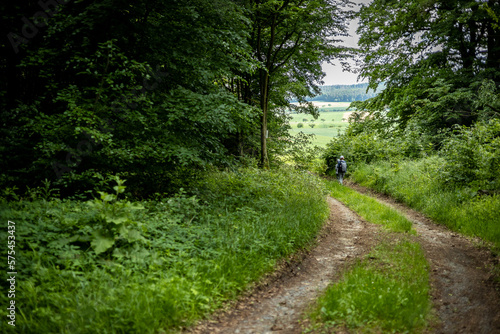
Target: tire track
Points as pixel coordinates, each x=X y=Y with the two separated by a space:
x=277 y=306
x=465 y=297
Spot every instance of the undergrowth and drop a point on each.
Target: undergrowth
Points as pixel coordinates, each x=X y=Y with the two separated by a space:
x=114 y=266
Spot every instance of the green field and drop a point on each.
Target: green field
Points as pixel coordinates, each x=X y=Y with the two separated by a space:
x=328 y=125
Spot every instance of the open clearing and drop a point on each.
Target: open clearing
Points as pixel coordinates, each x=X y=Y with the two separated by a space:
x=463 y=290
x=328 y=125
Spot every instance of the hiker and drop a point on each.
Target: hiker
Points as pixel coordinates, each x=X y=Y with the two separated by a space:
x=340 y=169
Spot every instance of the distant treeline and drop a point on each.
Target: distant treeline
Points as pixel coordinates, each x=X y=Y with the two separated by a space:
x=346 y=93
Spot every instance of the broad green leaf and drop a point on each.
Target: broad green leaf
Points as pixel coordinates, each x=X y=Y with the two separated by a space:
x=101 y=243
x=118 y=220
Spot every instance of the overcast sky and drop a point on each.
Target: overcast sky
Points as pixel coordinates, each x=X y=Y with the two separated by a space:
x=334 y=74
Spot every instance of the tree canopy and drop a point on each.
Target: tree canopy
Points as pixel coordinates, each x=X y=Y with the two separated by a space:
x=438 y=59
x=289 y=41
x=440 y=64
x=152 y=89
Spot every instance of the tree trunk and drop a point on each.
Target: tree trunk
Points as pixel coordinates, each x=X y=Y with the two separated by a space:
x=493 y=45
x=264 y=89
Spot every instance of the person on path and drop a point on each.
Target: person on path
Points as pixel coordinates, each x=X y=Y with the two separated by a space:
x=340 y=169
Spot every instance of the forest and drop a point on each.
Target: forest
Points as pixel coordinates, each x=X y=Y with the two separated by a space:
x=148 y=176
x=347 y=93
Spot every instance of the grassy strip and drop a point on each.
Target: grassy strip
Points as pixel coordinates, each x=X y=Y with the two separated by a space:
x=109 y=266
x=386 y=292
x=458 y=209
x=370 y=209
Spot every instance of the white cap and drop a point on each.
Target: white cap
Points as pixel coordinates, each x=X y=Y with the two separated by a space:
x=341 y=157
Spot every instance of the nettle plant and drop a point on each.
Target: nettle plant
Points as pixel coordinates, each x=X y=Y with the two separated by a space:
x=114 y=228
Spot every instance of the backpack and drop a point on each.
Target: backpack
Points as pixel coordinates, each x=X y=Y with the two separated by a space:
x=341 y=166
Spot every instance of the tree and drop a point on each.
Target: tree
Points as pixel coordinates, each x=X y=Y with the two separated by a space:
x=433 y=57
x=290 y=39
x=346 y=93
x=129 y=87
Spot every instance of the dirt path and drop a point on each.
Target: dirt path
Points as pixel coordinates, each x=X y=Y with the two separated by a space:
x=463 y=292
x=277 y=304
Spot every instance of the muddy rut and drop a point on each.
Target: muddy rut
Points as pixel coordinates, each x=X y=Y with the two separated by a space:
x=464 y=295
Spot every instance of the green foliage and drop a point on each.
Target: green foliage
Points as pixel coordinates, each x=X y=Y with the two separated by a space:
x=438 y=67
x=302 y=154
x=456 y=186
x=387 y=292
x=355 y=150
x=473 y=157
x=164 y=91
x=114 y=100
x=113 y=221
x=453 y=175
x=468 y=156
x=290 y=40
x=109 y=265
x=422 y=175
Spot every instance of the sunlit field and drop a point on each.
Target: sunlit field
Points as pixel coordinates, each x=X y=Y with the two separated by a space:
x=331 y=122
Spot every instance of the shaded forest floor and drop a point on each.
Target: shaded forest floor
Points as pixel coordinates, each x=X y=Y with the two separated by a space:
x=464 y=294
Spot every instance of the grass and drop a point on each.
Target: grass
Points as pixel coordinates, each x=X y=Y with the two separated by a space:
x=388 y=291
x=325 y=130
x=370 y=209
x=458 y=209
x=322 y=135
x=191 y=253
x=182 y=257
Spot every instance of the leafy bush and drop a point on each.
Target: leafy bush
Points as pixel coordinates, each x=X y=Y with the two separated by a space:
x=300 y=125
x=120 y=115
x=473 y=156
x=302 y=154
x=370 y=140
x=359 y=149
